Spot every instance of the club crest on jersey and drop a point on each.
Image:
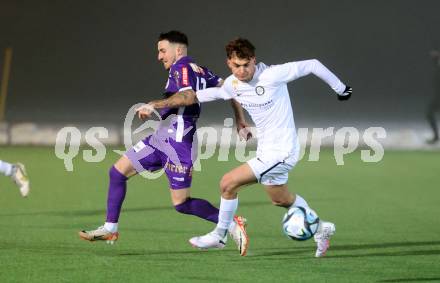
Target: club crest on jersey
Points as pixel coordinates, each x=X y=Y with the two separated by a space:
x=235 y=87
x=176 y=77
x=235 y=84
x=259 y=90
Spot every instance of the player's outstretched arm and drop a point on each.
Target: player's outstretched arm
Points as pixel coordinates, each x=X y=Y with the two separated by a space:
x=318 y=69
x=315 y=67
x=181 y=98
x=294 y=70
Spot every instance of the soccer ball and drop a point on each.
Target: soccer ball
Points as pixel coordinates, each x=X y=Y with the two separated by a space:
x=300 y=223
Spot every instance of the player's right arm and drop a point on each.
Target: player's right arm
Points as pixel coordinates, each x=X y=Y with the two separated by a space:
x=181 y=98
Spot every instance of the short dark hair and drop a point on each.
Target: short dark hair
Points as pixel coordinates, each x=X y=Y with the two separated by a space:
x=240 y=47
x=174 y=36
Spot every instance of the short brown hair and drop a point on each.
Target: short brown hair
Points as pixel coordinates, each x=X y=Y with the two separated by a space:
x=240 y=47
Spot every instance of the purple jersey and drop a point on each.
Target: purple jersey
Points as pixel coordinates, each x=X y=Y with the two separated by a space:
x=185 y=74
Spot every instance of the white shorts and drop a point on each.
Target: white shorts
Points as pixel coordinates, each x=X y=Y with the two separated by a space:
x=272 y=168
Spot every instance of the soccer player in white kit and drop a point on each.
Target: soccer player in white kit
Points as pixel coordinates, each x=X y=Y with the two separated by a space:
x=17 y=172
x=262 y=92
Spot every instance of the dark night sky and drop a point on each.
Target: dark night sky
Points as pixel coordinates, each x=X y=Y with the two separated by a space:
x=76 y=61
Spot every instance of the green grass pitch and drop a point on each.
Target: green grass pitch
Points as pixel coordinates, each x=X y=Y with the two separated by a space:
x=386 y=214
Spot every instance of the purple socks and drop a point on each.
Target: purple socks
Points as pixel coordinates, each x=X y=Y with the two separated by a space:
x=116 y=194
x=118 y=188
x=200 y=208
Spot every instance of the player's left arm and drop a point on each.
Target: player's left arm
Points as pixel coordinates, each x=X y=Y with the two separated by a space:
x=240 y=121
x=295 y=70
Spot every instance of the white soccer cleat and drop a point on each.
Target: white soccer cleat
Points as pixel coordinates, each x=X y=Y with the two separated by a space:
x=20 y=178
x=100 y=234
x=239 y=235
x=322 y=237
x=211 y=240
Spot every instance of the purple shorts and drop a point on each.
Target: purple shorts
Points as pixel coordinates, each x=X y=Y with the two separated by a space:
x=152 y=154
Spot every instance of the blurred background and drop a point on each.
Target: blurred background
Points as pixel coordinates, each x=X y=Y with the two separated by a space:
x=87 y=62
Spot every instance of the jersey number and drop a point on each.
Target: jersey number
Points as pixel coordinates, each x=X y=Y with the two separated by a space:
x=201 y=83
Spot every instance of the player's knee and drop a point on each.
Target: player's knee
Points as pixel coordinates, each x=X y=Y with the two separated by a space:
x=223 y=184
x=125 y=167
x=227 y=184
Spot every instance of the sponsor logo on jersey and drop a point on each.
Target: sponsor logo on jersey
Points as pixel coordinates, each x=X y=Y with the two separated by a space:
x=184 y=76
x=259 y=90
x=266 y=105
x=177 y=168
x=180 y=179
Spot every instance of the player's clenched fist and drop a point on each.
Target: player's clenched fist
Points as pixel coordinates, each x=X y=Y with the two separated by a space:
x=145 y=111
x=346 y=94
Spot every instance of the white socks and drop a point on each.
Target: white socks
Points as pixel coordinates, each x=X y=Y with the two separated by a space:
x=299 y=201
x=111 y=227
x=6 y=168
x=226 y=215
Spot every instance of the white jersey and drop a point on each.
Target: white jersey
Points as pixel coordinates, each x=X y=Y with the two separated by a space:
x=267 y=100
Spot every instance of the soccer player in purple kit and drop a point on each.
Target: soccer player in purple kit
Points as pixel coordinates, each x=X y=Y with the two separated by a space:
x=170 y=147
